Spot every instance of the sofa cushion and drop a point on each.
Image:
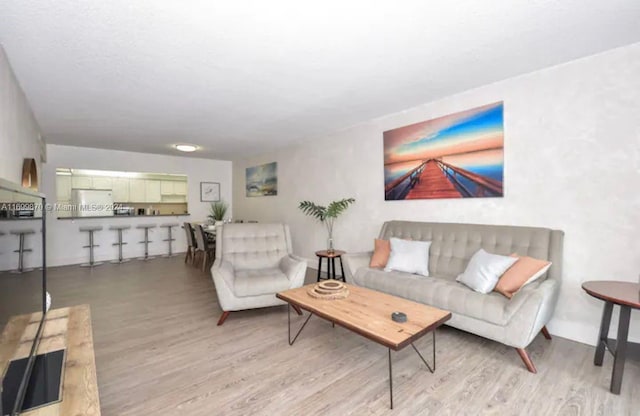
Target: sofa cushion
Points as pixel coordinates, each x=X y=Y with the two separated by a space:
x=525 y=271
x=409 y=256
x=381 y=252
x=439 y=291
x=259 y=282
x=484 y=271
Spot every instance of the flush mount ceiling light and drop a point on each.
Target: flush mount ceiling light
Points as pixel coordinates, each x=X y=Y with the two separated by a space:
x=186 y=147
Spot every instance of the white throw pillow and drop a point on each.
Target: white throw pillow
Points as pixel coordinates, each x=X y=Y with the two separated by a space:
x=409 y=256
x=484 y=270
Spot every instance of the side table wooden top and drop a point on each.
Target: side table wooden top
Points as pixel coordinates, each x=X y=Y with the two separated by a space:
x=620 y=293
x=334 y=253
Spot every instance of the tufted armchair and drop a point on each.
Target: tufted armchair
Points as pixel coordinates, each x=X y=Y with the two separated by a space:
x=253 y=263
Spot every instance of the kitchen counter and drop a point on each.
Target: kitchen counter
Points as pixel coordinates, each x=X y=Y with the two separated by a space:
x=124 y=216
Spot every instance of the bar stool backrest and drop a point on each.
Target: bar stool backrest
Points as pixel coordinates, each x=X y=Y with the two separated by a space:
x=188 y=229
x=201 y=239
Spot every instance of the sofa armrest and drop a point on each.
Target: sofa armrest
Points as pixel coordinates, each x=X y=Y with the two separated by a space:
x=294 y=268
x=223 y=277
x=353 y=262
x=531 y=309
x=222 y=272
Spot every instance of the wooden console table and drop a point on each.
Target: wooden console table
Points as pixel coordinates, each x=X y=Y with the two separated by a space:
x=65 y=328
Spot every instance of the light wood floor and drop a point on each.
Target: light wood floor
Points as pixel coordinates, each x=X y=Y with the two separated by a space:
x=159 y=352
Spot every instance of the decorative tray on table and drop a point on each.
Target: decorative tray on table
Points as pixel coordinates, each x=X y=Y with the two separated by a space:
x=329 y=290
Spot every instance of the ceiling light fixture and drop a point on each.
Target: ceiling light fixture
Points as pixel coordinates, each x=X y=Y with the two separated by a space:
x=186 y=147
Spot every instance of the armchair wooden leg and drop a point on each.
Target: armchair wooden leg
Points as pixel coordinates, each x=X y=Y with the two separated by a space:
x=297 y=309
x=545 y=332
x=223 y=317
x=527 y=360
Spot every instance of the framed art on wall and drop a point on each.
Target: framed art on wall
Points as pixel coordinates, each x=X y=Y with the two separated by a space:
x=460 y=155
x=262 y=180
x=209 y=191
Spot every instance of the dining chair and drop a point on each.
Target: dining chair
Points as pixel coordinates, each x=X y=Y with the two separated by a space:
x=191 y=243
x=204 y=247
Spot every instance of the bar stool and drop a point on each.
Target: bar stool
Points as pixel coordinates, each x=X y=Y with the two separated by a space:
x=21 y=250
x=91 y=229
x=170 y=238
x=120 y=243
x=146 y=241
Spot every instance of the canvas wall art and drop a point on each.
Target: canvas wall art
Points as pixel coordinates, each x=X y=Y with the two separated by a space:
x=456 y=156
x=262 y=180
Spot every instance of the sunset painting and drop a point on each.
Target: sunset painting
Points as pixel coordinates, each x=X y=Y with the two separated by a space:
x=456 y=156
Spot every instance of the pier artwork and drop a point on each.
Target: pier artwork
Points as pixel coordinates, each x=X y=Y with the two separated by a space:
x=455 y=156
x=435 y=179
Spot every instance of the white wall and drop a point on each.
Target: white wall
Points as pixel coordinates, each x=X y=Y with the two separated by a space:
x=64 y=241
x=572 y=162
x=19 y=131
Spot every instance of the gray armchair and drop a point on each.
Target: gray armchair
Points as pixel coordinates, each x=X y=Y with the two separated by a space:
x=253 y=263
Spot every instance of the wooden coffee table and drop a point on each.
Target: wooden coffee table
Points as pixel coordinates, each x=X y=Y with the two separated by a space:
x=368 y=313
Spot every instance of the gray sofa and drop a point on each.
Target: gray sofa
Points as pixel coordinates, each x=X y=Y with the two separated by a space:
x=513 y=322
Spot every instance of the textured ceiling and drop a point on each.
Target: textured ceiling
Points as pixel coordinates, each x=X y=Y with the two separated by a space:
x=243 y=77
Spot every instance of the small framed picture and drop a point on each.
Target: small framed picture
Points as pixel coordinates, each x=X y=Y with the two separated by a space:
x=209 y=191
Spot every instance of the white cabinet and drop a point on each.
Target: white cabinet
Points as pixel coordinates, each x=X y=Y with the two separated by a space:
x=81 y=182
x=102 y=183
x=152 y=191
x=136 y=190
x=173 y=188
x=63 y=188
x=91 y=182
x=167 y=188
x=120 y=190
x=180 y=188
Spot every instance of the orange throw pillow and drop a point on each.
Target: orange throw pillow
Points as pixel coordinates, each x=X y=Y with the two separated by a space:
x=381 y=251
x=525 y=270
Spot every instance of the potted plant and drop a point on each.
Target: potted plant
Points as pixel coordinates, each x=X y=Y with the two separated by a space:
x=326 y=215
x=218 y=211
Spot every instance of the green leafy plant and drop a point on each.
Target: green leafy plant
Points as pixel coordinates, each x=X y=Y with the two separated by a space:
x=326 y=215
x=218 y=210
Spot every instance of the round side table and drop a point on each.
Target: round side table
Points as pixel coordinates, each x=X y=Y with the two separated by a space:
x=627 y=296
x=331 y=263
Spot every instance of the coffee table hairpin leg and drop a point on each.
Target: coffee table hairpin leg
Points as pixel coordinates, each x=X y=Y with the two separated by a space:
x=291 y=341
x=432 y=370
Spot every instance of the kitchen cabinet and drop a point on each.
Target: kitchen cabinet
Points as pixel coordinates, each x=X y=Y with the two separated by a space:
x=63 y=188
x=166 y=188
x=102 y=183
x=137 y=190
x=180 y=188
x=120 y=190
x=173 y=188
x=152 y=190
x=81 y=182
